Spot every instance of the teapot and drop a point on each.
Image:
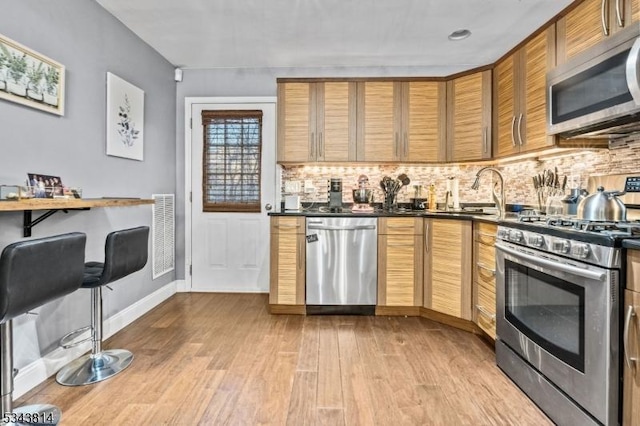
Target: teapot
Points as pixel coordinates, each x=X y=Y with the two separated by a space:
x=603 y=206
x=571 y=201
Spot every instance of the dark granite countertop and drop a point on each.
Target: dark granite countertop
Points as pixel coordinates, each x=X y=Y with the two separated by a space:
x=631 y=243
x=461 y=215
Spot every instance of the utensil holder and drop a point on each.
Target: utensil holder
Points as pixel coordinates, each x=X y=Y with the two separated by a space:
x=389 y=202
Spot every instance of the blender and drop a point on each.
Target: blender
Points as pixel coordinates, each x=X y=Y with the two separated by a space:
x=362 y=197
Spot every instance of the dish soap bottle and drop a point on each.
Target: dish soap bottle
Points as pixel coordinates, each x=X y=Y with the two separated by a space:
x=432 y=197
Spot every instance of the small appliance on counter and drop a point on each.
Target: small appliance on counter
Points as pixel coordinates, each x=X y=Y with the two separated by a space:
x=292 y=202
x=418 y=202
x=362 y=197
x=335 y=195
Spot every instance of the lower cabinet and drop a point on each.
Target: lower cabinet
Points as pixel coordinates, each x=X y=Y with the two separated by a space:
x=287 y=261
x=631 y=343
x=400 y=249
x=447 y=267
x=484 y=277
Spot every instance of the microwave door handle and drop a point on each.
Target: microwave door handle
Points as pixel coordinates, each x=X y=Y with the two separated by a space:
x=557 y=266
x=632 y=74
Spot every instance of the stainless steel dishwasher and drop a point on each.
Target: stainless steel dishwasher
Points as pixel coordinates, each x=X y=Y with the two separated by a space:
x=342 y=259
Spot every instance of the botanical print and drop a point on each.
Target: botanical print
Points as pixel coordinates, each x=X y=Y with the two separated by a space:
x=125 y=118
x=29 y=78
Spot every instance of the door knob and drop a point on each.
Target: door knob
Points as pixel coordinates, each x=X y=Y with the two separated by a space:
x=268 y=207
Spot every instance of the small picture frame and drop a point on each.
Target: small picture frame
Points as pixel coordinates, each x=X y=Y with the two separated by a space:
x=45 y=186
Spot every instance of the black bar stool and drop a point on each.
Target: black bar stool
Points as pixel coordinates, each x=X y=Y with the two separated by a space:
x=33 y=273
x=126 y=252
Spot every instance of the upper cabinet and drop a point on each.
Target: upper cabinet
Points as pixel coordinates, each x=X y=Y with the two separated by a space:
x=591 y=22
x=469 y=117
x=316 y=121
x=401 y=121
x=519 y=96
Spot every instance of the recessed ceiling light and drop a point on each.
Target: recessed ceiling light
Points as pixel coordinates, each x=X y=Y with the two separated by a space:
x=459 y=34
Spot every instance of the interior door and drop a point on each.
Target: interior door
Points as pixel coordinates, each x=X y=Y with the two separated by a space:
x=230 y=251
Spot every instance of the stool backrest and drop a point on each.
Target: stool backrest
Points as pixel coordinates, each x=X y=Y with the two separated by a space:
x=125 y=252
x=35 y=272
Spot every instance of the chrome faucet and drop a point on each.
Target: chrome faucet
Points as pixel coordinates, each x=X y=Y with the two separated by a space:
x=500 y=201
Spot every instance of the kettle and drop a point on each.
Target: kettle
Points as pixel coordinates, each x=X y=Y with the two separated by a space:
x=571 y=201
x=603 y=206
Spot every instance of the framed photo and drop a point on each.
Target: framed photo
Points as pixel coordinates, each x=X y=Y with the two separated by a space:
x=45 y=186
x=125 y=119
x=29 y=78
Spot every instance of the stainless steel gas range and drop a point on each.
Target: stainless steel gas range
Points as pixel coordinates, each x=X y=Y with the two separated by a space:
x=558 y=290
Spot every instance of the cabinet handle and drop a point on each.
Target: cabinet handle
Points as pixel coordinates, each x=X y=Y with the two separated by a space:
x=513 y=125
x=484 y=139
x=300 y=248
x=620 y=13
x=486 y=268
x=631 y=361
x=604 y=17
x=486 y=313
x=399 y=245
x=397 y=146
x=427 y=235
x=520 y=129
x=321 y=146
x=313 y=146
x=390 y=226
x=286 y=226
x=406 y=146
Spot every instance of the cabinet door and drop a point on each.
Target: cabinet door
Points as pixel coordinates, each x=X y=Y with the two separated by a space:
x=581 y=28
x=632 y=11
x=536 y=62
x=294 y=122
x=377 y=139
x=400 y=245
x=505 y=103
x=335 y=121
x=469 y=114
x=631 y=379
x=287 y=261
x=448 y=274
x=424 y=109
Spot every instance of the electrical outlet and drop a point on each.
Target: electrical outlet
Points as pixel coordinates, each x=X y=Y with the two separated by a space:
x=309 y=188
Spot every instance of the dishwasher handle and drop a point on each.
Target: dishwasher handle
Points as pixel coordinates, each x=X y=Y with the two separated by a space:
x=342 y=228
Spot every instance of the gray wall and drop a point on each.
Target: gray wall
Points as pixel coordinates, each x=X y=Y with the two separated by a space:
x=89 y=42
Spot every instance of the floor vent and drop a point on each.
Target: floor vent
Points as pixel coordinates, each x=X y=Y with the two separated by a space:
x=163 y=238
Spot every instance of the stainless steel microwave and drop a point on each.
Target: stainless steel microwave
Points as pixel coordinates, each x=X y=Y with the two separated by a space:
x=596 y=94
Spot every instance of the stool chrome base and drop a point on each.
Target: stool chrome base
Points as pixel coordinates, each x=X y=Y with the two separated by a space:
x=94 y=368
x=33 y=415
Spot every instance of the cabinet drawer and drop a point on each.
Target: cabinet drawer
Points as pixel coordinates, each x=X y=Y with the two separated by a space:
x=400 y=226
x=633 y=270
x=485 y=232
x=486 y=308
x=287 y=225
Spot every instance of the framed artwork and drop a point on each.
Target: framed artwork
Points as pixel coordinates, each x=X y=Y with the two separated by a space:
x=29 y=78
x=125 y=119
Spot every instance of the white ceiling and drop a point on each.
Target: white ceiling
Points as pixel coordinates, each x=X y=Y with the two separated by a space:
x=332 y=33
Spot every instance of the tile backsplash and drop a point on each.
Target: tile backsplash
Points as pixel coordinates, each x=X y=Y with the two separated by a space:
x=578 y=166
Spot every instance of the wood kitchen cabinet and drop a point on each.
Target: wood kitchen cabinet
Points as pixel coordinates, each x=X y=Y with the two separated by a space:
x=469 y=117
x=520 y=97
x=591 y=22
x=287 y=277
x=400 y=250
x=447 y=267
x=484 y=277
x=316 y=121
x=376 y=138
x=631 y=374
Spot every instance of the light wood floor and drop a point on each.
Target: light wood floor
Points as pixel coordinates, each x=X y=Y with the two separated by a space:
x=216 y=359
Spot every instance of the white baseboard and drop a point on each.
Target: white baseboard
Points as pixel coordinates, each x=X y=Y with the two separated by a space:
x=40 y=370
x=181 y=286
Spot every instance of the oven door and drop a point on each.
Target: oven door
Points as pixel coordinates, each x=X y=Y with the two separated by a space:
x=561 y=316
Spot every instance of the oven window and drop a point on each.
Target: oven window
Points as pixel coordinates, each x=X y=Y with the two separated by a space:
x=548 y=310
x=595 y=89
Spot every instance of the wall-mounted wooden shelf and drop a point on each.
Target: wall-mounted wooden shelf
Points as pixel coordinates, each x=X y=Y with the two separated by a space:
x=53 y=205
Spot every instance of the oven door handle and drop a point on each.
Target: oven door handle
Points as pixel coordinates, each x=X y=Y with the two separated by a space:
x=599 y=276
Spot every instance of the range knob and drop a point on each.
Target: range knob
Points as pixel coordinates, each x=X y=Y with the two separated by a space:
x=561 y=246
x=503 y=234
x=535 y=240
x=580 y=250
x=516 y=236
